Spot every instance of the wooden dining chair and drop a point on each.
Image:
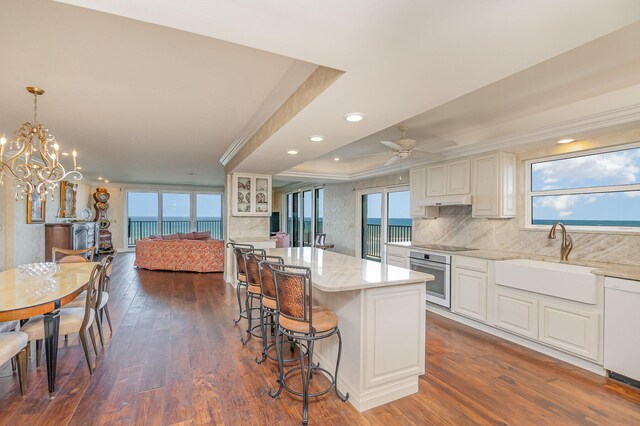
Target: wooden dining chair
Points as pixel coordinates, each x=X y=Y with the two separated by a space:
x=102 y=308
x=72 y=320
x=13 y=344
x=73 y=256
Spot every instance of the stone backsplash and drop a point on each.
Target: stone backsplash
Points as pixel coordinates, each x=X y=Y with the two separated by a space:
x=455 y=226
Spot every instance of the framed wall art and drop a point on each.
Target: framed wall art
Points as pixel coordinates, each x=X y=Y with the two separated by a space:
x=68 y=192
x=36 y=208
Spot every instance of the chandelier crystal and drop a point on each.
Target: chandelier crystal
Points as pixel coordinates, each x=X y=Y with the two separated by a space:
x=31 y=161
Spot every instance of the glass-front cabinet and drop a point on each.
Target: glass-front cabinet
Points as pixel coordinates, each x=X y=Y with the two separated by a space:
x=251 y=195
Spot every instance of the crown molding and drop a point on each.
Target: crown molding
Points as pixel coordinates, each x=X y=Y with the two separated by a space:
x=613 y=117
x=347 y=177
x=295 y=75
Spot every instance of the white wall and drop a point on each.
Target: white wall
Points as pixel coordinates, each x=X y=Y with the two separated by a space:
x=23 y=242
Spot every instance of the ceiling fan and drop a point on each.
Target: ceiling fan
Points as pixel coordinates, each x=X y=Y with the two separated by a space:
x=405 y=147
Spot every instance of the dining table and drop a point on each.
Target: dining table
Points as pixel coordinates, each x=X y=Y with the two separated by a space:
x=24 y=298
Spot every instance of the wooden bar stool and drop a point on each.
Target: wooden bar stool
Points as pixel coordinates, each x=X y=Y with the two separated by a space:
x=299 y=320
x=241 y=274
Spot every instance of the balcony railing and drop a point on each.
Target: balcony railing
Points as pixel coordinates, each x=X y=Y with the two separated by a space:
x=138 y=229
x=372 y=238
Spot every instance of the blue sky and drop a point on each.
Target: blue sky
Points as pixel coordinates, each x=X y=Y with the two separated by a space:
x=398 y=205
x=618 y=168
x=173 y=205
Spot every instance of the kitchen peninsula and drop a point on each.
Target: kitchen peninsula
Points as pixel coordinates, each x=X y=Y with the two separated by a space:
x=381 y=312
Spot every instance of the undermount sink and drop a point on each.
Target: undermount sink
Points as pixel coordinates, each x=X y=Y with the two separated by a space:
x=570 y=282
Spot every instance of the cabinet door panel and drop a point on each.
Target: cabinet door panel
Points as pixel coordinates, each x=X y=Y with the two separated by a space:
x=570 y=329
x=470 y=294
x=436 y=180
x=516 y=313
x=417 y=182
x=485 y=184
x=458 y=177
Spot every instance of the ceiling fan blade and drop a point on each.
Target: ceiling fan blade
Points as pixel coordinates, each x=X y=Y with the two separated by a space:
x=392 y=160
x=392 y=145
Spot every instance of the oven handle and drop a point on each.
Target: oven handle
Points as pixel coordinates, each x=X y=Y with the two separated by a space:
x=436 y=265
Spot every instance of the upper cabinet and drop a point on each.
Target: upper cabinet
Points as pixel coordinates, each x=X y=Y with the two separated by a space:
x=417 y=183
x=494 y=185
x=418 y=192
x=251 y=195
x=452 y=178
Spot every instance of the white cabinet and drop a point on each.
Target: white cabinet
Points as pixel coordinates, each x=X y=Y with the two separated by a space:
x=417 y=181
x=570 y=327
x=494 y=185
x=437 y=180
x=458 y=175
x=516 y=312
x=251 y=195
x=417 y=193
x=450 y=178
x=470 y=280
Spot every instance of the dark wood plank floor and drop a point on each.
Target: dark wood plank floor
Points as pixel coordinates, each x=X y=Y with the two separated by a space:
x=176 y=358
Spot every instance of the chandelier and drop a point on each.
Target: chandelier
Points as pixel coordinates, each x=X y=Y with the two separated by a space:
x=31 y=160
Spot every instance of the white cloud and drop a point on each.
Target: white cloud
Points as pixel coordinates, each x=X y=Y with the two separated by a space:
x=565 y=214
x=613 y=168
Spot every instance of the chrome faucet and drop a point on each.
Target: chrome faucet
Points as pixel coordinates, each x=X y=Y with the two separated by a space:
x=567 y=244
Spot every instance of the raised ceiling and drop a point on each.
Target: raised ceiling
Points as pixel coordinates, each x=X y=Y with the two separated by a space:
x=140 y=102
x=587 y=82
x=400 y=58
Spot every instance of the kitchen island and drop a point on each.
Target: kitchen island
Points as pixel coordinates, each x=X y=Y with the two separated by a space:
x=381 y=314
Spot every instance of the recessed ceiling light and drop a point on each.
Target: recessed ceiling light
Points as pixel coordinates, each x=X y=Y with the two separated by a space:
x=566 y=140
x=354 y=117
x=292 y=152
x=316 y=138
x=65 y=153
x=106 y=181
x=99 y=177
x=336 y=159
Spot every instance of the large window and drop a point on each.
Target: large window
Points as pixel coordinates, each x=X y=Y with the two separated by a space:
x=151 y=213
x=599 y=190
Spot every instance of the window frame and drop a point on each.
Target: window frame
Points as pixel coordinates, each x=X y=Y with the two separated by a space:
x=529 y=194
x=159 y=191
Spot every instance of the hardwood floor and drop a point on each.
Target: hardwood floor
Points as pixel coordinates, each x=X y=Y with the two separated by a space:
x=176 y=358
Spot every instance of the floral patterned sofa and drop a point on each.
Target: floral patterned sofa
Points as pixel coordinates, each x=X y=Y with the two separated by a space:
x=192 y=252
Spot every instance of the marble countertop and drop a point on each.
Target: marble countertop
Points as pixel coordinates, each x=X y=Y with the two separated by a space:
x=333 y=272
x=616 y=270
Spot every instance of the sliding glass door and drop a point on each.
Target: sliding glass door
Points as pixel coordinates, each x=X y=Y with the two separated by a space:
x=176 y=213
x=304 y=216
x=398 y=217
x=385 y=218
x=142 y=212
x=372 y=225
x=209 y=214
